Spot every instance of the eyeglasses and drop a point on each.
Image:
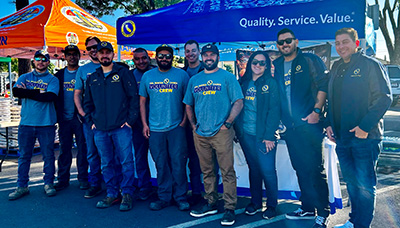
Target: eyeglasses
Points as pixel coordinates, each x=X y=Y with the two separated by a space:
x=167 y=56
x=43 y=59
x=93 y=47
x=261 y=63
x=75 y=54
x=141 y=58
x=287 y=41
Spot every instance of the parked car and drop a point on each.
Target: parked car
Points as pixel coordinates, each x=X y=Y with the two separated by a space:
x=394 y=75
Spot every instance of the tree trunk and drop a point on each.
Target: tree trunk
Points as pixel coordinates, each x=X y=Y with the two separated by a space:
x=24 y=65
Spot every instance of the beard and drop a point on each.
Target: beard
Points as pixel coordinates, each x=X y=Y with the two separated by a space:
x=94 y=58
x=105 y=62
x=212 y=66
x=164 y=66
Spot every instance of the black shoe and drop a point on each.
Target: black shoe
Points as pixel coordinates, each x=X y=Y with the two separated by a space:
x=145 y=193
x=206 y=209
x=158 y=205
x=183 y=205
x=194 y=199
x=300 y=214
x=60 y=186
x=229 y=218
x=126 y=203
x=321 y=222
x=92 y=192
x=269 y=213
x=84 y=185
x=252 y=209
x=108 y=202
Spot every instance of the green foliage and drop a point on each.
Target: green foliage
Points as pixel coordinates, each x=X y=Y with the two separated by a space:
x=228 y=68
x=14 y=66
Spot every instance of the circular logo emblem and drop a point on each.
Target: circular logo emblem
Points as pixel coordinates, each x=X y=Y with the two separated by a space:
x=357 y=71
x=265 y=88
x=115 y=77
x=103 y=44
x=73 y=81
x=298 y=68
x=128 y=28
x=166 y=81
x=23 y=16
x=72 y=38
x=83 y=19
x=210 y=82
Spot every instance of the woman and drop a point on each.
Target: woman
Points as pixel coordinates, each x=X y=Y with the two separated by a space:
x=255 y=127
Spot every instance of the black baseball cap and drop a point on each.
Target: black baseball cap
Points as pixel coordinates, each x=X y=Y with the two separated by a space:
x=165 y=47
x=106 y=45
x=210 y=47
x=71 y=48
x=42 y=53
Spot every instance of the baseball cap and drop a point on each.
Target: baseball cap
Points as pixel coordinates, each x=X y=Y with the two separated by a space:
x=106 y=45
x=42 y=53
x=210 y=47
x=71 y=48
x=165 y=47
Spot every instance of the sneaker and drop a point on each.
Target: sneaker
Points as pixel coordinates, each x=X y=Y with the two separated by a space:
x=108 y=202
x=84 y=185
x=195 y=199
x=206 y=209
x=300 y=214
x=126 y=203
x=158 y=205
x=60 y=186
x=145 y=193
x=348 y=224
x=229 y=218
x=18 y=193
x=320 y=222
x=269 y=213
x=183 y=205
x=252 y=209
x=92 y=192
x=49 y=190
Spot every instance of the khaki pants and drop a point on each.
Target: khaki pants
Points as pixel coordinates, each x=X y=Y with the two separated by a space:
x=222 y=143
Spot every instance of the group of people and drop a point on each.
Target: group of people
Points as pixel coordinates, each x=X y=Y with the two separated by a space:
x=192 y=115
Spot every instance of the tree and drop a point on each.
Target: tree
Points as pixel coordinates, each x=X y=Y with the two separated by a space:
x=391 y=14
x=100 y=8
x=24 y=65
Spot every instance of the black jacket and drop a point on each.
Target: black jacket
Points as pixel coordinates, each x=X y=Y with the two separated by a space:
x=365 y=97
x=268 y=108
x=111 y=101
x=60 y=99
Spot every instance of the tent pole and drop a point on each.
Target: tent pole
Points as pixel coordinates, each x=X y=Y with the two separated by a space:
x=119 y=53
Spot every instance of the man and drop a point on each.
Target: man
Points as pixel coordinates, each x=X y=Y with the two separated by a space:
x=38 y=90
x=359 y=95
x=69 y=124
x=111 y=105
x=165 y=88
x=93 y=156
x=194 y=66
x=218 y=99
x=140 y=143
x=302 y=81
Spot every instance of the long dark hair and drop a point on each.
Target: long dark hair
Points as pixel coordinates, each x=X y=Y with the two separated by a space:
x=248 y=74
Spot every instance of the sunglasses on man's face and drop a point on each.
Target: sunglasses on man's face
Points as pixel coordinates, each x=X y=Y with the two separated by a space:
x=287 y=41
x=43 y=59
x=75 y=54
x=167 y=56
x=93 y=47
x=261 y=63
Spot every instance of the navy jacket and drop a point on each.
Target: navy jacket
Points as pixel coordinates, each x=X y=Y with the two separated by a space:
x=60 y=99
x=268 y=108
x=309 y=75
x=111 y=101
x=366 y=96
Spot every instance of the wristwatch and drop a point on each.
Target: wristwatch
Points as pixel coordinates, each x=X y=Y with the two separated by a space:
x=228 y=125
x=317 y=110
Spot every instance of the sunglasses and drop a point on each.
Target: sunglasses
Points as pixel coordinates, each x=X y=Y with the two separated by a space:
x=93 y=47
x=167 y=56
x=71 y=54
x=261 y=63
x=43 y=59
x=287 y=41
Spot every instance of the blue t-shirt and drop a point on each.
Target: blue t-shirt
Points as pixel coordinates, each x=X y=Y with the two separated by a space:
x=250 y=109
x=193 y=71
x=138 y=76
x=212 y=96
x=165 y=91
x=83 y=73
x=38 y=113
x=69 y=84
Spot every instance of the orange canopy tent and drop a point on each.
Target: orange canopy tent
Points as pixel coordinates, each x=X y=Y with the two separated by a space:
x=50 y=24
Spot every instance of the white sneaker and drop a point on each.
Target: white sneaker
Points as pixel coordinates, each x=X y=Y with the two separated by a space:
x=348 y=224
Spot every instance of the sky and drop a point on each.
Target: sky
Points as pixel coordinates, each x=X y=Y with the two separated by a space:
x=9 y=8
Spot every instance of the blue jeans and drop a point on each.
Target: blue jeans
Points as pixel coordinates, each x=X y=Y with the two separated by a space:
x=67 y=129
x=141 y=146
x=115 y=148
x=194 y=163
x=93 y=157
x=261 y=168
x=358 y=159
x=26 y=139
x=169 y=153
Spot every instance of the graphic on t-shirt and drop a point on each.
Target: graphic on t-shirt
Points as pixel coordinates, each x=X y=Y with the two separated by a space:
x=36 y=85
x=208 y=89
x=250 y=94
x=287 y=77
x=69 y=86
x=164 y=87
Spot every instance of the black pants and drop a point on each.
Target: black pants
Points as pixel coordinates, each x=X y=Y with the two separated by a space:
x=305 y=150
